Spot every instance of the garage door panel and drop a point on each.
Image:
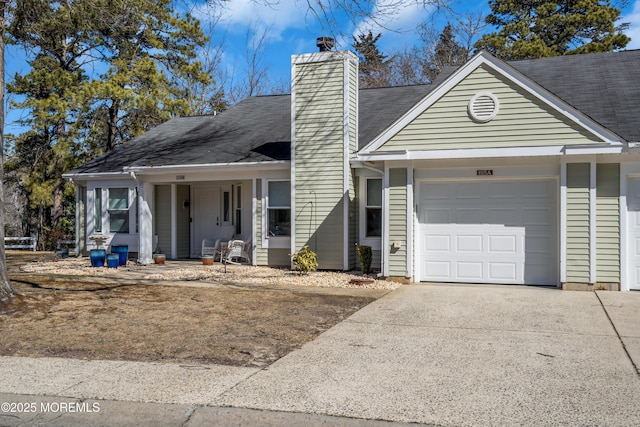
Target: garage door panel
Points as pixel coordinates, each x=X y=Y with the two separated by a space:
x=467 y=192
x=436 y=191
x=503 y=272
x=501 y=190
x=499 y=232
x=467 y=216
x=440 y=270
x=437 y=216
x=469 y=243
x=503 y=216
x=538 y=244
x=536 y=189
x=438 y=243
x=469 y=271
x=536 y=216
x=503 y=244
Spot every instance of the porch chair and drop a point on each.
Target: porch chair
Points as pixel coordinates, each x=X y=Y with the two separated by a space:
x=238 y=250
x=215 y=247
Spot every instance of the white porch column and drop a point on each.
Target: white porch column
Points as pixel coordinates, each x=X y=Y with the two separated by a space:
x=593 y=261
x=145 y=220
x=174 y=221
x=80 y=213
x=384 y=253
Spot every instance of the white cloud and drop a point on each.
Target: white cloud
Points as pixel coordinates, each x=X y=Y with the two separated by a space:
x=239 y=15
x=633 y=18
x=396 y=20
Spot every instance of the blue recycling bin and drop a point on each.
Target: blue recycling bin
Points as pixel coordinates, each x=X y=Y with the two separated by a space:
x=122 y=251
x=97 y=257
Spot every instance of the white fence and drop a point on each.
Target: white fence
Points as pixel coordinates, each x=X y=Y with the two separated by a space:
x=21 y=243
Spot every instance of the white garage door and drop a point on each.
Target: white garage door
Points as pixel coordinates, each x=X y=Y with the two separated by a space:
x=633 y=224
x=488 y=232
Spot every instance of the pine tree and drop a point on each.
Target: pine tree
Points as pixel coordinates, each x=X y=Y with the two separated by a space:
x=374 y=70
x=446 y=52
x=103 y=72
x=540 y=28
x=5 y=288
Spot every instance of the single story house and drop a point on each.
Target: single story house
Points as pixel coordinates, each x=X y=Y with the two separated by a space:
x=523 y=172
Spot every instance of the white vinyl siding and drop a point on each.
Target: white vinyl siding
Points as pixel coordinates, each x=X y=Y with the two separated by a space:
x=578 y=223
x=522 y=120
x=608 y=223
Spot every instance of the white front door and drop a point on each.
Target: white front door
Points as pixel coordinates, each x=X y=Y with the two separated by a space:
x=633 y=226
x=211 y=209
x=488 y=232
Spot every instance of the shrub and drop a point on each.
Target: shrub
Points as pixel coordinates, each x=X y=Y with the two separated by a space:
x=364 y=256
x=305 y=260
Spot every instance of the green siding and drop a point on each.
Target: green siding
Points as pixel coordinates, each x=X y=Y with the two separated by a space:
x=320 y=160
x=398 y=221
x=522 y=120
x=578 y=251
x=162 y=218
x=608 y=223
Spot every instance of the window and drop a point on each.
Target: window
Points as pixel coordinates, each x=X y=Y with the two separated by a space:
x=226 y=206
x=238 y=210
x=373 y=207
x=97 y=210
x=279 y=208
x=119 y=210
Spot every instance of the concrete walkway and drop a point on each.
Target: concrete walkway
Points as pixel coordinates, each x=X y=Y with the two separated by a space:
x=442 y=355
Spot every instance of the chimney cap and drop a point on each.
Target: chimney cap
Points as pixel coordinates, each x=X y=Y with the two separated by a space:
x=325 y=44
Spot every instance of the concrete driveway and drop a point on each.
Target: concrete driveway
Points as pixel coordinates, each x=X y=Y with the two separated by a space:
x=466 y=355
x=445 y=355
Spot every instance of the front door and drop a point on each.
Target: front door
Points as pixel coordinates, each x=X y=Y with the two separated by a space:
x=211 y=207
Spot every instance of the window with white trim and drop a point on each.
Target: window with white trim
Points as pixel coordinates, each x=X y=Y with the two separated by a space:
x=97 y=210
x=119 y=210
x=279 y=208
x=373 y=208
x=238 y=209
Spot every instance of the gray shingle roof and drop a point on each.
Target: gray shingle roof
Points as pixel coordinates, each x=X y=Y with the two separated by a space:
x=257 y=129
x=603 y=86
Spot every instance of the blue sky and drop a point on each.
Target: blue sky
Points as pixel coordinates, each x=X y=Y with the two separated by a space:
x=292 y=29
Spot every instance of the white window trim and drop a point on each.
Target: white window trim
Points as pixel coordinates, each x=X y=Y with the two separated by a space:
x=90 y=211
x=274 y=242
x=374 y=242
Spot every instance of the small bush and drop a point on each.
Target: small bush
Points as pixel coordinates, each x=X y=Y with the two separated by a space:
x=305 y=260
x=365 y=255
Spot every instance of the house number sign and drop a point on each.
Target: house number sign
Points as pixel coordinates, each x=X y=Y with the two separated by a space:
x=484 y=172
x=180 y=177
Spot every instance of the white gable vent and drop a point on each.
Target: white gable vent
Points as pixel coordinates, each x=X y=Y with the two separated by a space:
x=483 y=107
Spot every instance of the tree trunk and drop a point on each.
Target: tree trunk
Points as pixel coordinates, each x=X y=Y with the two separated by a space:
x=112 y=125
x=5 y=288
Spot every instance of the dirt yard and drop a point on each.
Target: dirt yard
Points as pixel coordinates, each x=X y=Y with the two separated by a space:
x=116 y=318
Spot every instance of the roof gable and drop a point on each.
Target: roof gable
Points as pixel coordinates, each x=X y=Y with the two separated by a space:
x=484 y=72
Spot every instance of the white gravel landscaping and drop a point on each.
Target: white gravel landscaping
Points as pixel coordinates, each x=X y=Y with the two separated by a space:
x=194 y=270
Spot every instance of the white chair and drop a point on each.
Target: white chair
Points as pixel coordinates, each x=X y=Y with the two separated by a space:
x=238 y=250
x=215 y=247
